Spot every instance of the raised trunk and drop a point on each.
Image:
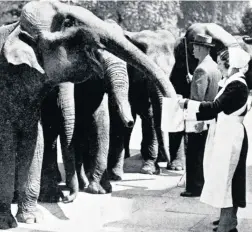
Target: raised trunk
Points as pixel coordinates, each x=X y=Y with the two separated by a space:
x=111 y=38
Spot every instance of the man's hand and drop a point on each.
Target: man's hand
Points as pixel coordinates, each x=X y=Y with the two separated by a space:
x=181 y=102
x=189 y=78
x=199 y=127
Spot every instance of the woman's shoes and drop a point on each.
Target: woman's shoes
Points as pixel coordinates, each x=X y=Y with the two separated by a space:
x=233 y=230
x=216 y=223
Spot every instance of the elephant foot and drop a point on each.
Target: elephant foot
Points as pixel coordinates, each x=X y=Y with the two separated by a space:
x=32 y=217
x=7 y=221
x=150 y=167
x=52 y=195
x=83 y=182
x=113 y=176
x=96 y=188
x=70 y=198
x=176 y=165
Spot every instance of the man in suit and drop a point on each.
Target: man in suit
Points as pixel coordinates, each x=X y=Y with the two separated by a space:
x=204 y=87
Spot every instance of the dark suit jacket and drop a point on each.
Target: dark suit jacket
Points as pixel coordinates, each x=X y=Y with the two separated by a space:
x=204 y=87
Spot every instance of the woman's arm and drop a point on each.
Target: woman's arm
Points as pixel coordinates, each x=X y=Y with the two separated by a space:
x=232 y=99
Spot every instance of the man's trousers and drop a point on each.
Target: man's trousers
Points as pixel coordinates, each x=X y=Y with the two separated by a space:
x=194 y=161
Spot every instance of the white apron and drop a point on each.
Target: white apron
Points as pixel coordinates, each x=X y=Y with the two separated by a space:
x=222 y=153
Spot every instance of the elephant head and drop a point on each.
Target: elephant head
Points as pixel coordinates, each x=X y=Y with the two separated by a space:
x=246 y=43
x=221 y=39
x=43 y=42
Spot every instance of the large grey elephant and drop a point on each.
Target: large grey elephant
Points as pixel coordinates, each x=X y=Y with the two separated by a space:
x=79 y=114
x=146 y=102
x=39 y=53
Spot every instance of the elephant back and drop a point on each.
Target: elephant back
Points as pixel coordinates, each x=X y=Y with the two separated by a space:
x=158 y=45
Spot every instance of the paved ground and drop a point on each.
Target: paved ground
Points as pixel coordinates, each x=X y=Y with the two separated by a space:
x=139 y=203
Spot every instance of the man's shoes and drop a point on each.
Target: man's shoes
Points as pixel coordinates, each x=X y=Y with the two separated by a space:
x=189 y=194
x=233 y=230
x=216 y=223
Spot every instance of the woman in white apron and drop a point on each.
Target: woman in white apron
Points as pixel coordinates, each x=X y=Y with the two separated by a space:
x=226 y=146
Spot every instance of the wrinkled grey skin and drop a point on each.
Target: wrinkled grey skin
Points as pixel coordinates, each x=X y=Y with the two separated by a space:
x=80 y=115
x=56 y=115
x=145 y=101
x=36 y=55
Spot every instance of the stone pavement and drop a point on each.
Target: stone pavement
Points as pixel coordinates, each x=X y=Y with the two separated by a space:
x=140 y=203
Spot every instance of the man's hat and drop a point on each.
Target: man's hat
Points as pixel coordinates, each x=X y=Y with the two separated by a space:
x=203 y=40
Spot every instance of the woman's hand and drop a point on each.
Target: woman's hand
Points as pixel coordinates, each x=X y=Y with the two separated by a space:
x=181 y=102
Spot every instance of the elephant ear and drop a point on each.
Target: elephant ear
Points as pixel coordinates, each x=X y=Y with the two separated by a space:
x=134 y=38
x=17 y=52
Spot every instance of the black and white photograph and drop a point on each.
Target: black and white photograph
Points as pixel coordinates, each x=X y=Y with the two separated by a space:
x=125 y=116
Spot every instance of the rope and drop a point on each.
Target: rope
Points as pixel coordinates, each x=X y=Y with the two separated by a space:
x=186 y=56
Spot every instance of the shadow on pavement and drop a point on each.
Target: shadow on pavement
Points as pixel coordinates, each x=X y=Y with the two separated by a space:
x=55 y=210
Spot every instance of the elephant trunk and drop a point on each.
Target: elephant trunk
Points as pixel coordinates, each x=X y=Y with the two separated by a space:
x=111 y=37
x=67 y=106
x=94 y=31
x=117 y=83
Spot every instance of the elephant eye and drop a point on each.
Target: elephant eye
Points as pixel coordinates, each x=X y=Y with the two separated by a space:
x=69 y=22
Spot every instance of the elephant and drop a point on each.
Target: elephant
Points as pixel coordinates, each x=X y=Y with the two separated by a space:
x=146 y=102
x=38 y=53
x=138 y=93
x=80 y=115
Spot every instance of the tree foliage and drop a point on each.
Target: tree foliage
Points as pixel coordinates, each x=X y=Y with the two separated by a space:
x=176 y=16
x=247 y=22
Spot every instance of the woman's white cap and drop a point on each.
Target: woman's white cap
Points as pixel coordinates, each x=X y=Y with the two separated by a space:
x=238 y=58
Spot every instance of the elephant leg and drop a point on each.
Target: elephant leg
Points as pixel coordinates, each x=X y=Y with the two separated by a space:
x=81 y=151
x=127 y=136
x=116 y=148
x=70 y=169
x=7 y=173
x=67 y=122
x=177 y=151
x=98 y=149
x=149 y=145
x=29 y=165
x=119 y=145
x=163 y=139
x=50 y=116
